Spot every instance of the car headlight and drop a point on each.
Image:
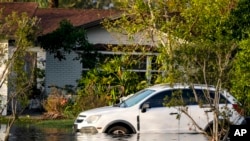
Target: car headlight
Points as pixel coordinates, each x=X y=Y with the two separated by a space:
x=93 y=119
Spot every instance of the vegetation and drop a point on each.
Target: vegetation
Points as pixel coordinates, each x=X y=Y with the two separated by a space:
x=240 y=81
x=105 y=87
x=55 y=104
x=66 y=39
x=239 y=22
x=63 y=123
x=23 y=30
x=194 y=39
x=40 y=122
x=197 y=41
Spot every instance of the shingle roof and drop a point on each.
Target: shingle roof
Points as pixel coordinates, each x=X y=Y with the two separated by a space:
x=51 y=17
x=19 y=7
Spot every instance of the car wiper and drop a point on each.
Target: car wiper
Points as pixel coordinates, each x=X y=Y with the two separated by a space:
x=125 y=104
x=117 y=105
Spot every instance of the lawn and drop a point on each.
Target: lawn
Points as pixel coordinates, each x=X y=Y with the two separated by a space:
x=55 y=123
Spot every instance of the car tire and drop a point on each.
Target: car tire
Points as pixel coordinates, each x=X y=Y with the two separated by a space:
x=118 y=130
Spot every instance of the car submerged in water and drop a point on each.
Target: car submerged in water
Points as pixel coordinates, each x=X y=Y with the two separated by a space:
x=147 y=112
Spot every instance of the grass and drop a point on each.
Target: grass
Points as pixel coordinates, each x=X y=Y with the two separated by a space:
x=57 y=123
x=61 y=123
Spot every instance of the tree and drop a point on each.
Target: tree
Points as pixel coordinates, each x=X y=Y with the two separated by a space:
x=23 y=30
x=239 y=22
x=67 y=39
x=193 y=39
x=241 y=76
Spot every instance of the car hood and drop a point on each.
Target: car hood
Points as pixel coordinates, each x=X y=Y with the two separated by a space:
x=102 y=110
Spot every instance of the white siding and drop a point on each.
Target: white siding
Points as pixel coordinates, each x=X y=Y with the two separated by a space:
x=61 y=73
x=99 y=35
x=66 y=72
x=4 y=87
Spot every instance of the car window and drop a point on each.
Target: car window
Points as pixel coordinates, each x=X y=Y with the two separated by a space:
x=223 y=100
x=183 y=97
x=158 y=99
x=137 y=97
x=200 y=97
x=188 y=97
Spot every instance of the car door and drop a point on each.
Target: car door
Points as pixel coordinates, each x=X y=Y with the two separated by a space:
x=158 y=118
x=198 y=110
x=189 y=111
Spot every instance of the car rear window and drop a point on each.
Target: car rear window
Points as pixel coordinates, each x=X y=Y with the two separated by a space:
x=200 y=96
x=183 y=97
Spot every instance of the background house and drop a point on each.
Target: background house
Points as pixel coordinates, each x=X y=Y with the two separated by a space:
x=66 y=72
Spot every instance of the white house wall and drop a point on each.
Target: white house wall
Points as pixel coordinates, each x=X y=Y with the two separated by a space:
x=4 y=87
x=61 y=73
x=66 y=72
x=99 y=35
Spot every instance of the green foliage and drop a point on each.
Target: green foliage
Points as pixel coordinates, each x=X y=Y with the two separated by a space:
x=194 y=38
x=59 y=124
x=107 y=83
x=87 y=101
x=239 y=21
x=24 y=30
x=241 y=76
x=66 y=39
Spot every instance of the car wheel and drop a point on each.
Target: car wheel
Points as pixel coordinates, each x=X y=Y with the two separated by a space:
x=118 y=130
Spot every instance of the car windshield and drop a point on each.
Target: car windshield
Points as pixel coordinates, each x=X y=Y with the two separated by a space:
x=137 y=97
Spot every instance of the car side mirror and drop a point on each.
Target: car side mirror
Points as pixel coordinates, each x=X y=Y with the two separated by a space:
x=144 y=107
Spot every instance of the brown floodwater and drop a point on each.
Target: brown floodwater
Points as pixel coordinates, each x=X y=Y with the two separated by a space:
x=33 y=133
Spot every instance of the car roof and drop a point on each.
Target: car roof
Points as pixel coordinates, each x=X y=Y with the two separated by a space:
x=164 y=86
x=168 y=86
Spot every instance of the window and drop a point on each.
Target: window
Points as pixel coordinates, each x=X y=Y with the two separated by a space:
x=138 y=61
x=158 y=100
x=188 y=97
x=137 y=97
x=200 y=97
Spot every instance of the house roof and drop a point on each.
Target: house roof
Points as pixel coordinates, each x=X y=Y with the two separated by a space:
x=51 y=17
x=19 y=7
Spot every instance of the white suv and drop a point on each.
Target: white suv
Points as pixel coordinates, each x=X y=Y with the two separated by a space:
x=146 y=111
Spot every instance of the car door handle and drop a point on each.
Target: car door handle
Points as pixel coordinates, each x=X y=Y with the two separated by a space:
x=210 y=110
x=173 y=113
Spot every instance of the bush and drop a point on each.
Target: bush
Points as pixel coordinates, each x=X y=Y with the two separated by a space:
x=55 y=104
x=89 y=101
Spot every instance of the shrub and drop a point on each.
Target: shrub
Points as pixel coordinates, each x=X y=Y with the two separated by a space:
x=55 y=104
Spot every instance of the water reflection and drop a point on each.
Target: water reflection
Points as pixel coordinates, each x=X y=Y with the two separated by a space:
x=143 y=137
x=33 y=133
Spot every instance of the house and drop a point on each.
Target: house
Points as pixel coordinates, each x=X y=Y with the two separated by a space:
x=66 y=72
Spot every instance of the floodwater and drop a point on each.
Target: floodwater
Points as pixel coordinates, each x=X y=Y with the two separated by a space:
x=33 y=133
